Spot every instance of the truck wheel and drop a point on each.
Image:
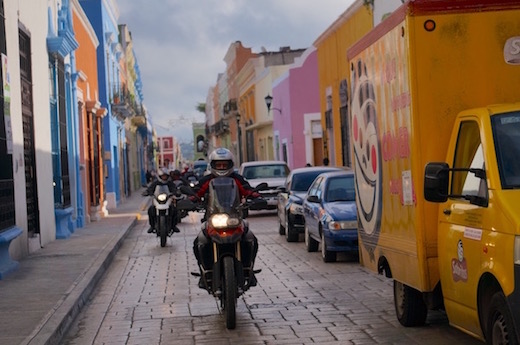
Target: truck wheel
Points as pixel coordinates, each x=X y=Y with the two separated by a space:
x=409 y=305
x=326 y=254
x=310 y=243
x=500 y=327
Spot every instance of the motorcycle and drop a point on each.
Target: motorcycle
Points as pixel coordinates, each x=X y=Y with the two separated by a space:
x=162 y=200
x=193 y=181
x=227 y=278
x=178 y=196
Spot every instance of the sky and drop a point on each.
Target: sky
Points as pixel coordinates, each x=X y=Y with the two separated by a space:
x=180 y=46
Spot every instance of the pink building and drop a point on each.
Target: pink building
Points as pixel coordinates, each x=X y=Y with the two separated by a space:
x=165 y=154
x=297 y=129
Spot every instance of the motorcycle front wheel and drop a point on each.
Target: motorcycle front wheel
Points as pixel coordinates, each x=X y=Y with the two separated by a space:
x=163 y=230
x=229 y=287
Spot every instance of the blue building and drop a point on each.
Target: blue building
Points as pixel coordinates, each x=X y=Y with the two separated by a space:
x=69 y=210
x=103 y=16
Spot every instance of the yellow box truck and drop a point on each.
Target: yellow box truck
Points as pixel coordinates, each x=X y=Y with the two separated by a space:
x=436 y=138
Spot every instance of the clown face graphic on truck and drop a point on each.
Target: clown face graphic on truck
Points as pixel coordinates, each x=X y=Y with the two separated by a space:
x=367 y=155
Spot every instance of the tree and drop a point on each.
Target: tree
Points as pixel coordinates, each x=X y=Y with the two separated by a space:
x=201 y=107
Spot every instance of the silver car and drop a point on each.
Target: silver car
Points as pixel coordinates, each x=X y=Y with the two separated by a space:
x=273 y=173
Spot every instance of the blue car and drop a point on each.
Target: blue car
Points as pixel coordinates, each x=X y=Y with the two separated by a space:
x=290 y=199
x=329 y=210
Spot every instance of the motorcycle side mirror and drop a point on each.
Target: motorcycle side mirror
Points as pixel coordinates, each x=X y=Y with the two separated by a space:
x=187 y=205
x=187 y=190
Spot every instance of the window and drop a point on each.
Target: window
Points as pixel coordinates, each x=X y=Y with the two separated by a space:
x=468 y=154
x=265 y=171
x=7 y=207
x=59 y=134
x=341 y=189
x=314 y=189
x=506 y=135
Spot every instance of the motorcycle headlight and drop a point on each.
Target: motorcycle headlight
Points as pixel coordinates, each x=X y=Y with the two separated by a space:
x=347 y=224
x=222 y=220
x=296 y=209
x=162 y=197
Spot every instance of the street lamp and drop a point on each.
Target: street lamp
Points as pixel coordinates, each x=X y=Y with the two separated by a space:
x=239 y=138
x=268 y=102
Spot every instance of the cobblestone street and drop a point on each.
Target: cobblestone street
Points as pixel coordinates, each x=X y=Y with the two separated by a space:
x=148 y=296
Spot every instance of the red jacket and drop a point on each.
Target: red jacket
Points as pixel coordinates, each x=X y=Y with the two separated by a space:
x=244 y=188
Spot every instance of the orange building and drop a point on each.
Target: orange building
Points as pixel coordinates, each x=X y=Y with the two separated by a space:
x=90 y=117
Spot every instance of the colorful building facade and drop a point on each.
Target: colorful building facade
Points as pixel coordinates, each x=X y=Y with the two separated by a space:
x=296 y=115
x=53 y=137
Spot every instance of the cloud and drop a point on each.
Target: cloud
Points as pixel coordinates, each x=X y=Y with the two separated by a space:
x=180 y=45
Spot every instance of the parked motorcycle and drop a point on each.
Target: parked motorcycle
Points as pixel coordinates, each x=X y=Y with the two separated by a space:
x=162 y=200
x=228 y=277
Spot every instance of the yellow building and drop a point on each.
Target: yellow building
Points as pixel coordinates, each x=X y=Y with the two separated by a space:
x=334 y=73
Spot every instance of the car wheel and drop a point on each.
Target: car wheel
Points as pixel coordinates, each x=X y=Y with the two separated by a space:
x=310 y=243
x=326 y=255
x=290 y=234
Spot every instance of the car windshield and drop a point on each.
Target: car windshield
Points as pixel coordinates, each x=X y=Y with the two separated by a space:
x=265 y=171
x=302 y=181
x=506 y=133
x=340 y=189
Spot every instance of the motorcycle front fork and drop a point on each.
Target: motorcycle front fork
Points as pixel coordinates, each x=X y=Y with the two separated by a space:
x=216 y=272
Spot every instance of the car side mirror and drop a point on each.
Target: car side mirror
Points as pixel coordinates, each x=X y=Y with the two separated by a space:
x=313 y=198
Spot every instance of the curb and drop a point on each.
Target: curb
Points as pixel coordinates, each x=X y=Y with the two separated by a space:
x=55 y=325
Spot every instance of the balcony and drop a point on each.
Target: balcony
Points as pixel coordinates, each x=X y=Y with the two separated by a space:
x=123 y=103
x=219 y=128
x=139 y=119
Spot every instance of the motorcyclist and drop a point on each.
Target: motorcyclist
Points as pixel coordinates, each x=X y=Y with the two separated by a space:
x=221 y=162
x=163 y=178
x=178 y=179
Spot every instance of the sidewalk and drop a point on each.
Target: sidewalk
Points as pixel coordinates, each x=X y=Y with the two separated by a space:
x=39 y=301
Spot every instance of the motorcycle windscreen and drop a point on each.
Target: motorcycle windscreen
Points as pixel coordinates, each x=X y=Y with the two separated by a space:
x=223 y=196
x=161 y=189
